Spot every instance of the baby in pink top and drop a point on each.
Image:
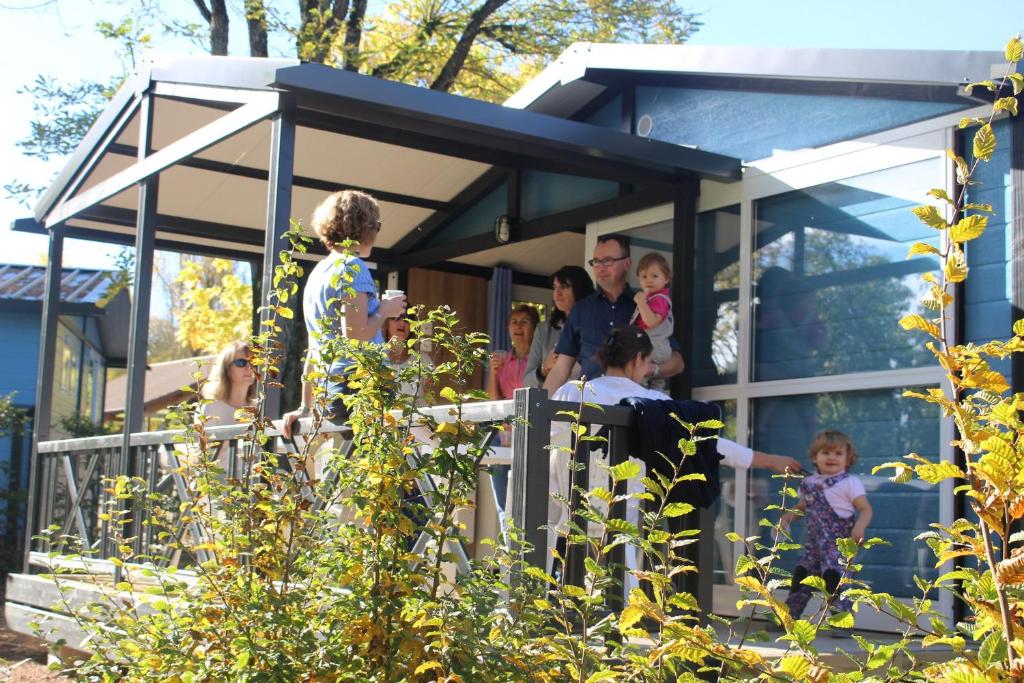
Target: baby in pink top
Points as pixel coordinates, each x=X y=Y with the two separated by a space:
x=654 y=307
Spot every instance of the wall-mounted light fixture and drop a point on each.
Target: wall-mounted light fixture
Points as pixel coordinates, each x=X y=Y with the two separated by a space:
x=502 y=229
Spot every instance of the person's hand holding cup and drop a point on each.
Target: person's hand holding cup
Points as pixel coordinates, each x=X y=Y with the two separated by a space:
x=392 y=304
x=498 y=360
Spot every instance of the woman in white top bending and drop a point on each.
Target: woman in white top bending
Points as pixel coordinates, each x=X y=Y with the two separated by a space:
x=625 y=358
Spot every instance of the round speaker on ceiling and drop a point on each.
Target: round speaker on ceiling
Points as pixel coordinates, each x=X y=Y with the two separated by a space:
x=644 y=126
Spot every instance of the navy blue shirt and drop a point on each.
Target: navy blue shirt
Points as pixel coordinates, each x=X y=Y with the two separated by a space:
x=590 y=321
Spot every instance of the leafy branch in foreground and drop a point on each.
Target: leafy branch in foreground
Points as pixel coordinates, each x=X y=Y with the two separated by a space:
x=985 y=413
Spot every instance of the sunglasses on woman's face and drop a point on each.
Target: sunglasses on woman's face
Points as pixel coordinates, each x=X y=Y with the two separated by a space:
x=240 y=362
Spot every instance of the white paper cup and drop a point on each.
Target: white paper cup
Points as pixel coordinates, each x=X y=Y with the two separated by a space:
x=393 y=293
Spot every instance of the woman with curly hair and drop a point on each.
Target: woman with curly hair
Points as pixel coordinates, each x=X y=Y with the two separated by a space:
x=340 y=298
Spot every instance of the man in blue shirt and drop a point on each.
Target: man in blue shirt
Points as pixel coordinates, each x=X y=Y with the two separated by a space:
x=593 y=317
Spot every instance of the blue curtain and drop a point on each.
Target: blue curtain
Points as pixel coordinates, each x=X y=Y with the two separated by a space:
x=499 y=305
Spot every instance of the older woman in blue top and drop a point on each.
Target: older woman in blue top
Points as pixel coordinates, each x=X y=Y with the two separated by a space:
x=344 y=216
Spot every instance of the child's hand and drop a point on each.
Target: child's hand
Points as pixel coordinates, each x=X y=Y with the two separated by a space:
x=857 y=535
x=640 y=297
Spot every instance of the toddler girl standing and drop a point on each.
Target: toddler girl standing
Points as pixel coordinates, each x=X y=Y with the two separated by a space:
x=835 y=506
x=654 y=308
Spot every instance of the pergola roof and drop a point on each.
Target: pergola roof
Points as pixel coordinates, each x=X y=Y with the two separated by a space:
x=425 y=155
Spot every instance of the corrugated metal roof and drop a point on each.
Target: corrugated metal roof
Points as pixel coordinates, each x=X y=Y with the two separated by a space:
x=77 y=286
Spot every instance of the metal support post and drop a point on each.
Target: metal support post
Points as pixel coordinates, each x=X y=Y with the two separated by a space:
x=44 y=381
x=138 y=335
x=531 y=467
x=279 y=208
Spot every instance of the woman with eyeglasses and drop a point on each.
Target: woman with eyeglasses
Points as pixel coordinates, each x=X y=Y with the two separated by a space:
x=340 y=298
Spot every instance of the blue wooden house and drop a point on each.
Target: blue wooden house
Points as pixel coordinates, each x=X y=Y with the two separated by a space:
x=777 y=182
x=91 y=337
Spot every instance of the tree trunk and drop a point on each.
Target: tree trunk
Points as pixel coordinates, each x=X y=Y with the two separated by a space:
x=218 y=27
x=450 y=71
x=321 y=22
x=256 y=21
x=354 y=35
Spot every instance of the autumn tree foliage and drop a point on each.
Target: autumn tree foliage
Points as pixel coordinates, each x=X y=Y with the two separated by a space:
x=214 y=305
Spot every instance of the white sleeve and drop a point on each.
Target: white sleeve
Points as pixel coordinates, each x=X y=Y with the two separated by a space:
x=855 y=488
x=734 y=455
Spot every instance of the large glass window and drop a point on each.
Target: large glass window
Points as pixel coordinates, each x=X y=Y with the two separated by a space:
x=716 y=284
x=884 y=426
x=832 y=278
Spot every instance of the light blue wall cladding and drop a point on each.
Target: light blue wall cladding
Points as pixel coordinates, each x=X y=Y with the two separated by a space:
x=477 y=220
x=987 y=289
x=19 y=349
x=542 y=194
x=753 y=125
x=548 y=193
x=608 y=116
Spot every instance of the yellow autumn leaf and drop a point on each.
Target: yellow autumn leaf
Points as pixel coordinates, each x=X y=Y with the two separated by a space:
x=969 y=228
x=629 y=617
x=915 y=321
x=922 y=249
x=427 y=666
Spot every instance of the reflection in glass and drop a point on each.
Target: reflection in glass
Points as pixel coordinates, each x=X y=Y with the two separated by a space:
x=884 y=426
x=832 y=278
x=716 y=284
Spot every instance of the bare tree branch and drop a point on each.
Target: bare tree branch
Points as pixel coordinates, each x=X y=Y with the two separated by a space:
x=203 y=9
x=446 y=79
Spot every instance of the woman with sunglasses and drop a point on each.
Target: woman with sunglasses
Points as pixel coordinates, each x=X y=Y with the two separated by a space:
x=340 y=298
x=231 y=385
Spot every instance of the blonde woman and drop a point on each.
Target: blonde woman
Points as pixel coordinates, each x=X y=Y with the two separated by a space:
x=231 y=385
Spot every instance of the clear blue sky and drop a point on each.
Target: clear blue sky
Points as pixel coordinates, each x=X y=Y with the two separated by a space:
x=59 y=40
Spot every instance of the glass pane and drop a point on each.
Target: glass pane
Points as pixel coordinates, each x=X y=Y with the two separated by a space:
x=832 y=276
x=719 y=120
x=725 y=507
x=716 y=284
x=884 y=426
x=654 y=237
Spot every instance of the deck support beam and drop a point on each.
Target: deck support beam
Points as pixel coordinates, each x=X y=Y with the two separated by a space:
x=138 y=331
x=44 y=380
x=684 y=232
x=279 y=207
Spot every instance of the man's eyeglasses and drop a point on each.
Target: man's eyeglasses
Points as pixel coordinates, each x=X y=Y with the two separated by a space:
x=241 y=362
x=605 y=262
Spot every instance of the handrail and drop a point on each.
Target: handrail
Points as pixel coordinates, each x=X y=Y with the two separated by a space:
x=488 y=411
